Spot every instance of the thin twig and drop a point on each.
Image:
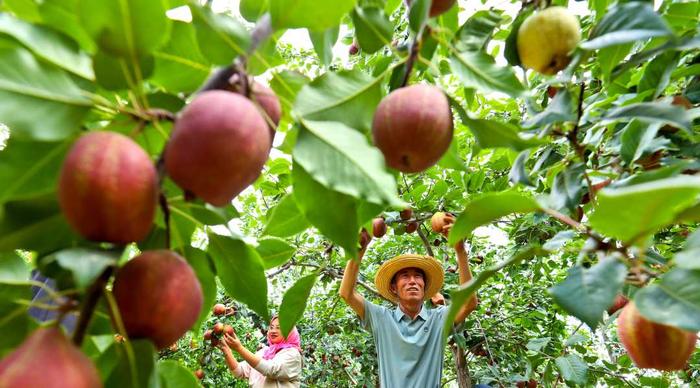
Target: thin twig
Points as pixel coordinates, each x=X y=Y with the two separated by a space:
x=88 y=307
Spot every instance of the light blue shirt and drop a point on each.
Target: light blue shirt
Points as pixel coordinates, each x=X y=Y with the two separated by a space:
x=410 y=352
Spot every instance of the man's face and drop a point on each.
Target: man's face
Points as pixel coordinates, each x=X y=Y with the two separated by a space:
x=409 y=285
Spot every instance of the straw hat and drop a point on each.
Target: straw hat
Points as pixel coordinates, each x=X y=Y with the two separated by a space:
x=434 y=275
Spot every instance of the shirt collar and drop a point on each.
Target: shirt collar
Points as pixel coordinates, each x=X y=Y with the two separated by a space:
x=398 y=314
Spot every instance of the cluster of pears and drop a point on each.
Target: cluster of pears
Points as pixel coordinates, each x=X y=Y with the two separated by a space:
x=108 y=192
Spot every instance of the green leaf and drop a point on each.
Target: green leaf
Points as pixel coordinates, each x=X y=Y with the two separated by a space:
x=636 y=138
x=465 y=291
x=241 y=272
x=125 y=28
x=627 y=23
x=333 y=213
x=311 y=14
x=476 y=32
x=559 y=240
x=48 y=45
x=537 y=344
x=78 y=267
x=134 y=368
x=487 y=209
x=28 y=177
x=652 y=112
x=573 y=368
x=34 y=224
x=287 y=85
x=674 y=300
x=517 y=172
x=418 y=14
x=658 y=74
x=24 y=9
x=341 y=159
x=118 y=73
x=373 y=28
x=294 y=302
x=175 y=375
x=568 y=188
x=633 y=212
x=203 y=267
x=62 y=15
x=495 y=134
x=451 y=159
x=285 y=219
x=349 y=97
x=252 y=10
x=587 y=293
x=274 y=251
x=323 y=42
x=511 y=49
x=478 y=70
x=13 y=268
x=689 y=257
x=180 y=66
x=609 y=57
x=560 y=110
x=30 y=89
x=221 y=38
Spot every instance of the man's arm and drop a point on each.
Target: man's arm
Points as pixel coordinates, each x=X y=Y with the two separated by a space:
x=465 y=275
x=347 y=287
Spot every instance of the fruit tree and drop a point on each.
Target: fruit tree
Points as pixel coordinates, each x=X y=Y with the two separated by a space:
x=174 y=170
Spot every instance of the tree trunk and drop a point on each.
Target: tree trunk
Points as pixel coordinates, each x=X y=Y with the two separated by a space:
x=464 y=380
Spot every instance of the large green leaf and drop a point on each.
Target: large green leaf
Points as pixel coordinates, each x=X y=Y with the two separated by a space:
x=48 y=45
x=203 y=267
x=117 y=73
x=274 y=251
x=658 y=73
x=573 y=368
x=478 y=70
x=560 y=110
x=341 y=159
x=323 y=42
x=252 y=10
x=13 y=268
x=62 y=15
x=635 y=138
x=333 y=213
x=633 y=212
x=34 y=224
x=294 y=302
x=349 y=97
x=373 y=28
x=674 y=300
x=286 y=85
x=26 y=177
x=180 y=66
x=689 y=257
x=126 y=28
x=135 y=364
x=221 y=38
x=285 y=219
x=487 y=209
x=626 y=23
x=476 y=32
x=78 y=267
x=652 y=112
x=311 y=14
x=587 y=293
x=241 y=272
x=175 y=375
x=568 y=188
x=496 y=134
x=31 y=89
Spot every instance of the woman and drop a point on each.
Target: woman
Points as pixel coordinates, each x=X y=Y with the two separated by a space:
x=277 y=365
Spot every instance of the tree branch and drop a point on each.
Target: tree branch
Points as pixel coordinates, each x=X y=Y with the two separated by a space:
x=88 y=307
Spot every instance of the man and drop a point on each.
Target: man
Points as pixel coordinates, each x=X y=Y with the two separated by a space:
x=409 y=338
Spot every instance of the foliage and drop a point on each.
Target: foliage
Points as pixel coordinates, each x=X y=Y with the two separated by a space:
x=569 y=189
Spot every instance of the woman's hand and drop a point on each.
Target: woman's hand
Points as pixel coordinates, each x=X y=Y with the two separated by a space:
x=232 y=341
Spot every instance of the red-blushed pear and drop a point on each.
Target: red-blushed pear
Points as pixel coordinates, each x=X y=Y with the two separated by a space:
x=437 y=222
x=618 y=303
x=219 y=309
x=159 y=296
x=228 y=329
x=199 y=374
x=413 y=127
x=654 y=345
x=47 y=359
x=218 y=328
x=406 y=213
x=218 y=147
x=108 y=188
x=438 y=7
x=378 y=227
x=411 y=227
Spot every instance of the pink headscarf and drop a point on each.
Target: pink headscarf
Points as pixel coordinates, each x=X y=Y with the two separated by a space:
x=293 y=340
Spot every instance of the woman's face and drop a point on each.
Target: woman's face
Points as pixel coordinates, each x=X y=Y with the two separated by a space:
x=274 y=333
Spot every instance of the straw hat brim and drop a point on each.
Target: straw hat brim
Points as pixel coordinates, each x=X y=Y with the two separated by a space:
x=434 y=275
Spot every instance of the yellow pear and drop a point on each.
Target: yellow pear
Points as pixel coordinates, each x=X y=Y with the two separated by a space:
x=546 y=39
